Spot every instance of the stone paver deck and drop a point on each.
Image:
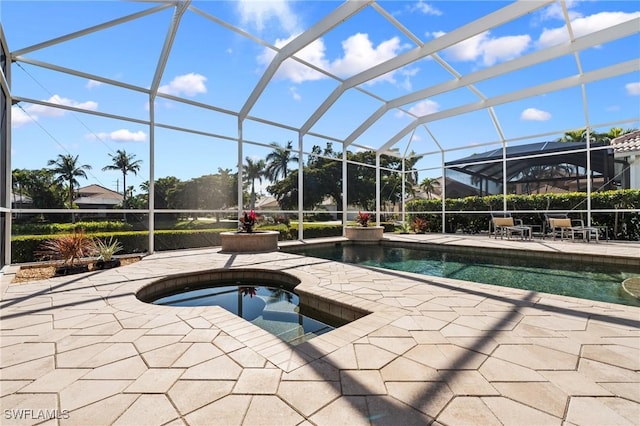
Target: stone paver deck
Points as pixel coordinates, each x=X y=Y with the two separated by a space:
x=433 y=350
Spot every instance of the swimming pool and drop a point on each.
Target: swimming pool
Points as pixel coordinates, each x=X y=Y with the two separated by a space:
x=587 y=281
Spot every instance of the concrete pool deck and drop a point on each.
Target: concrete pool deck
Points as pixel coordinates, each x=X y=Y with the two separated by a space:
x=433 y=350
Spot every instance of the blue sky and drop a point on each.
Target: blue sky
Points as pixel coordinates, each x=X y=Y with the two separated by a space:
x=211 y=64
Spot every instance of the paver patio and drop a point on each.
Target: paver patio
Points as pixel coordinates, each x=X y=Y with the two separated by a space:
x=433 y=350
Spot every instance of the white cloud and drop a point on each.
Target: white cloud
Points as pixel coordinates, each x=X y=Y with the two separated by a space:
x=188 y=84
x=502 y=49
x=292 y=70
x=633 y=89
x=19 y=117
x=92 y=83
x=359 y=53
x=489 y=50
x=582 y=26
x=258 y=13
x=124 y=135
x=554 y=11
x=294 y=93
x=422 y=108
x=425 y=8
x=34 y=111
x=42 y=110
x=121 y=135
x=533 y=114
x=407 y=73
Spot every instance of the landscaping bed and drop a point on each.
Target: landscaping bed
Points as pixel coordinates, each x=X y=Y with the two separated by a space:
x=47 y=270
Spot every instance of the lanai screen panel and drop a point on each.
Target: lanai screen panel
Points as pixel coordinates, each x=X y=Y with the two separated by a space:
x=434 y=80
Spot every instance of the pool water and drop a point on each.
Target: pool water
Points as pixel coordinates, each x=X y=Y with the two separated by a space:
x=272 y=309
x=601 y=282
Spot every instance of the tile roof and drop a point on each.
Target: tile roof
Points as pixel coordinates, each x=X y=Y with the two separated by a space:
x=627 y=143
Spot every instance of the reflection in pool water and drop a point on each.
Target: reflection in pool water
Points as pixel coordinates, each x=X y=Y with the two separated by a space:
x=587 y=281
x=273 y=309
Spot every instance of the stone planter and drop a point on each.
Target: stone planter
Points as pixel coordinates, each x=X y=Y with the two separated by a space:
x=364 y=233
x=245 y=242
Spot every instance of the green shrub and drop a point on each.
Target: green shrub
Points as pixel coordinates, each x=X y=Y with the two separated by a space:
x=621 y=225
x=314 y=230
x=199 y=224
x=25 y=247
x=69 y=248
x=105 y=248
x=65 y=228
x=183 y=239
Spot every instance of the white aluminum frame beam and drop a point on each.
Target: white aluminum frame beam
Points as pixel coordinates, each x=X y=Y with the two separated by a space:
x=342 y=13
x=80 y=74
x=181 y=7
x=93 y=29
x=487 y=22
x=564 y=83
x=597 y=38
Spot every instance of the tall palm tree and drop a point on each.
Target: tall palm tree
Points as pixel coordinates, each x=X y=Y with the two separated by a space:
x=278 y=161
x=67 y=169
x=429 y=185
x=125 y=163
x=411 y=177
x=251 y=171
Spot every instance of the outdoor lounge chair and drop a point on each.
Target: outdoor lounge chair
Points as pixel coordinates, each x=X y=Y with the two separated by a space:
x=559 y=224
x=504 y=225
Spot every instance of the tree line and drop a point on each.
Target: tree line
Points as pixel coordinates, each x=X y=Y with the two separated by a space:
x=55 y=187
x=580 y=135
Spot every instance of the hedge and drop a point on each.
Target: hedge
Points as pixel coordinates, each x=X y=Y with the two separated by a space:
x=65 y=228
x=23 y=247
x=621 y=226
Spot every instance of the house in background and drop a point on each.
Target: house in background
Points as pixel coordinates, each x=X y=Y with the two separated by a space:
x=626 y=151
x=535 y=168
x=19 y=201
x=97 y=197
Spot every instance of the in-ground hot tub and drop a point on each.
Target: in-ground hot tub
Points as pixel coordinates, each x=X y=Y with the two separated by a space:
x=263 y=297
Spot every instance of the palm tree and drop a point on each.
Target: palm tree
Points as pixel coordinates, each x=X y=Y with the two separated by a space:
x=67 y=169
x=579 y=135
x=19 y=181
x=616 y=132
x=250 y=172
x=125 y=163
x=429 y=185
x=411 y=177
x=278 y=161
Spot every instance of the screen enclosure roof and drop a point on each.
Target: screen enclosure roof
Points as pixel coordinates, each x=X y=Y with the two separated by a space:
x=402 y=78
